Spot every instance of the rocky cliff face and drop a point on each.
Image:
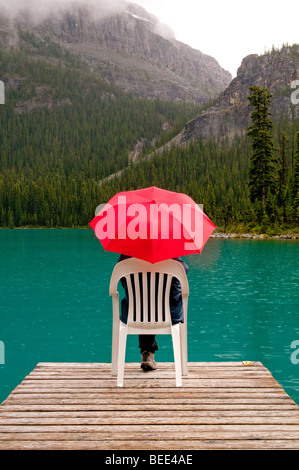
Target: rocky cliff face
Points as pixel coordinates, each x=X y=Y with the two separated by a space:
x=129 y=47
x=231 y=113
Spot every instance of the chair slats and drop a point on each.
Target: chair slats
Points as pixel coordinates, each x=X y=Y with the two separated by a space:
x=166 y=296
x=145 y=297
x=149 y=297
x=160 y=298
x=153 y=294
x=130 y=295
x=137 y=299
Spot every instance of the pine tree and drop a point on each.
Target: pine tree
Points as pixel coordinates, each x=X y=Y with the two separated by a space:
x=10 y=222
x=295 y=178
x=262 y=170
x=283 y=164
x=282 y=174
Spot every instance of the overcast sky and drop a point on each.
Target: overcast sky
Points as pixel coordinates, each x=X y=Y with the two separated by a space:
x=229 y=30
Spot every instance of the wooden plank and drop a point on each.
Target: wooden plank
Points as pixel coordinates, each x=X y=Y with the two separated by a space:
x=173 y=408
x=144 y=383
x=205 y=392
x=164 y=369
x=201 y=444
x=153 y=435
x=145 y=418
x=75 y=375
x=129 y=430
x=166 y=403
x=163 y=366
x=199 y=393
x=249 y=415
x=223 y=405
x=151 y=419
x=68 y=366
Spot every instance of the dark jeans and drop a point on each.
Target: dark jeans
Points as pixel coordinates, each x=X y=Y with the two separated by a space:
x=148 y=343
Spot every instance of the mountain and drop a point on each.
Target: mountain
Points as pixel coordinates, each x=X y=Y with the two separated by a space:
x=209 y=158
x=77 y=111
x=230 y=115
x=128 y=47
x=64 y=127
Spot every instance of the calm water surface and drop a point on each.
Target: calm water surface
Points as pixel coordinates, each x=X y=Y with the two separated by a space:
x=55 y=306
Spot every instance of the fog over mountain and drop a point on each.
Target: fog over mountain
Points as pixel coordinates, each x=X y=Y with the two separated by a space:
x=39 y=9
x=120 y=40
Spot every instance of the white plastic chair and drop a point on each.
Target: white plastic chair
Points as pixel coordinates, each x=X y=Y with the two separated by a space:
x=148 y=313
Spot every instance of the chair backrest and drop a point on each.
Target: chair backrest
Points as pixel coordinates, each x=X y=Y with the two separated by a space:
x=148 y=290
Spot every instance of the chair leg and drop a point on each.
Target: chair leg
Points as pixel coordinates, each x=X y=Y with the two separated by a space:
x=115 y=342
x=121 y=354
x=177 y=353
x=184 y=350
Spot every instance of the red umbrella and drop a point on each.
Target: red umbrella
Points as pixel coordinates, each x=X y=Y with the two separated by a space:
x=152 y=224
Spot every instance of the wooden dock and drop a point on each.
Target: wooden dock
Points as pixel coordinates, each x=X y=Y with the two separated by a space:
x=224 y=405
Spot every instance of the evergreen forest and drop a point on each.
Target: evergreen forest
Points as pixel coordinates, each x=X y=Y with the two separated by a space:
x=63 y=129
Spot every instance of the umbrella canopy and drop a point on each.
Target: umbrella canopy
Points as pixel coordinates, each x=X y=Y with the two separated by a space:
x=152 y=224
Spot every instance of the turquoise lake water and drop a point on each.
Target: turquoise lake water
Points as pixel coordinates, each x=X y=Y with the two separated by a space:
x=55 y=306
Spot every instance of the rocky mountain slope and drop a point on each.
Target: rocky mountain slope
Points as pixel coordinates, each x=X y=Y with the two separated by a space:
x=230 y=115
x=128 y=47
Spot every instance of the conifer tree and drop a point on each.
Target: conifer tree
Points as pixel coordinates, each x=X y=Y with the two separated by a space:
x=283 y=164
x=282 y=174
x=295 y=185
x=262 y=170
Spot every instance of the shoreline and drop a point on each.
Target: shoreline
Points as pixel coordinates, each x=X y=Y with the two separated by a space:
x=255 y=236
x=217 y=235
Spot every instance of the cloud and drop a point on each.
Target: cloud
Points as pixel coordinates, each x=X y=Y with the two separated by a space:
x=39 y=9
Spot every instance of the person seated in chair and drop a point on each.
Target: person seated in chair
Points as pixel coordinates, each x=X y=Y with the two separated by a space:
x=147 y=343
